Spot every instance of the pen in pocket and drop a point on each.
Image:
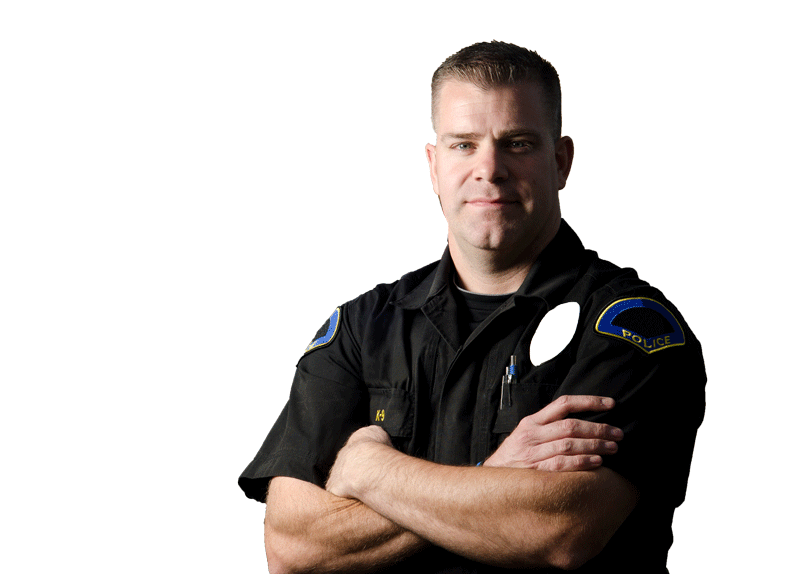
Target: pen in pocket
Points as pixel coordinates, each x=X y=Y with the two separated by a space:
x=505 y=383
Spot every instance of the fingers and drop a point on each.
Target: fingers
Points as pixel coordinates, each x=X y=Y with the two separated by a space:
x=568 y=404
x=574 y=447
x=570 y=428
x=548 y=440
x=570 y=463
x=568 y=454
x=526 y=450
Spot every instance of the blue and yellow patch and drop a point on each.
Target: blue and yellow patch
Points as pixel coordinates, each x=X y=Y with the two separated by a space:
x=643 y=322
x=327 y=332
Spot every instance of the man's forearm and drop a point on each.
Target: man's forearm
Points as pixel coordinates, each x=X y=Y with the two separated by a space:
x=503 y=516
x=307 y=528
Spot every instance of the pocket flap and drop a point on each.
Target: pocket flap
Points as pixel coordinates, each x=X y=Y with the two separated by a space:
x=391 y=409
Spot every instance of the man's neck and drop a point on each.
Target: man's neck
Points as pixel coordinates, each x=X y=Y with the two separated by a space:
x=493 y=272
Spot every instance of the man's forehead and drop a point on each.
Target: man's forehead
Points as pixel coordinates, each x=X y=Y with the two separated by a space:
x=461 y=104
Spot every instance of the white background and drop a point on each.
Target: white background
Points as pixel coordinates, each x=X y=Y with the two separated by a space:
x=190 y=188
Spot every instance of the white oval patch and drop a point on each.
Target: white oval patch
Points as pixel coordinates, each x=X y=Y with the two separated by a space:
x=554 y=332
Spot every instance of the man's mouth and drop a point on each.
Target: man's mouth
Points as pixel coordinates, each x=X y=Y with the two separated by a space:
x=490 y=202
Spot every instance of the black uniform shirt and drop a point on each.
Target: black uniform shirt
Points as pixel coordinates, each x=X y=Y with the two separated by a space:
x=396 y=357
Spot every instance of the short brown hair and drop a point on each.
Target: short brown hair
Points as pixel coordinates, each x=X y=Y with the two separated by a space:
x=492 y=64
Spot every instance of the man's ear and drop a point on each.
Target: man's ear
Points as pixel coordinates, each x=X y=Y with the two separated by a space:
x=430 y=152
x=565 y=152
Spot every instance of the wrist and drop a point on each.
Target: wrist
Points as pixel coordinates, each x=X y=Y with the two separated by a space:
x=368 y=465
x=491 y=461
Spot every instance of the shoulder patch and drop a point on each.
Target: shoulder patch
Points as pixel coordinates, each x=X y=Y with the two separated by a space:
x=643 y=322
x=327 y=332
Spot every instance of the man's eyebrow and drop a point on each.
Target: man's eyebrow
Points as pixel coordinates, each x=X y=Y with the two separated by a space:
x=520 y=132
x=461 y=136
x=508 y=134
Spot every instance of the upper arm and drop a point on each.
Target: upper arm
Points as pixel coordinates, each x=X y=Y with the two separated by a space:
x=326 y=405
x=659 y=404
x=660 y=401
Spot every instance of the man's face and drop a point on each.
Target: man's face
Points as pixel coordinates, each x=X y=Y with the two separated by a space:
x=496 y=169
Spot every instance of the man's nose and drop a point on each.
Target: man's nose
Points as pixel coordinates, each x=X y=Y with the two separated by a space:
x=490 y=166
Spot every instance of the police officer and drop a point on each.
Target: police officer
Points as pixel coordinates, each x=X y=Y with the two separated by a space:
x=427 y=428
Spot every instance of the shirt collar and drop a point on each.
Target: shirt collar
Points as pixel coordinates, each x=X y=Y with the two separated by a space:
x=557 y=268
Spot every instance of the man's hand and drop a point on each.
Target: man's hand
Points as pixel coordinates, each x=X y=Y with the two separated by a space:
x=351 y=458
x=547 y=440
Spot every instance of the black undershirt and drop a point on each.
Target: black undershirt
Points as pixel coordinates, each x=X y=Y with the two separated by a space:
x=474 y=308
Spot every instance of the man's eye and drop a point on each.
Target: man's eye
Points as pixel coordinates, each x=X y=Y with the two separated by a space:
x=520 y=145
x=463 y=146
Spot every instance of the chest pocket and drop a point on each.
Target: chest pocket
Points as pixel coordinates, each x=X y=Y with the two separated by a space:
x=533 y=392
x=393 y=410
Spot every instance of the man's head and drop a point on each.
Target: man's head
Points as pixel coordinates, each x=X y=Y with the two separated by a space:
x=498 y=163
x=495 y=64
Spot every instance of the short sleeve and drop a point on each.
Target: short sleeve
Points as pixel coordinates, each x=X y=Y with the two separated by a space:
x=660 y=403
x=326 y=404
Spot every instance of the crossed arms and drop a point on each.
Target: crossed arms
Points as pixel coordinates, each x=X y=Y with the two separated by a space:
x=380 y=506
